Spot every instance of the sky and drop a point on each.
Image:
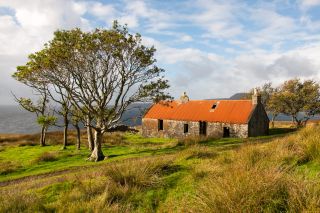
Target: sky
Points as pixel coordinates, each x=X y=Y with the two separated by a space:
x=209 y=48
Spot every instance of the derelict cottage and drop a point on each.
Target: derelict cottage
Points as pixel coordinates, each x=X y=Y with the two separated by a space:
x=212 y=118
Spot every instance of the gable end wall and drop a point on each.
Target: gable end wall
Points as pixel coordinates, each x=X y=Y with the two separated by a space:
x=259 y=122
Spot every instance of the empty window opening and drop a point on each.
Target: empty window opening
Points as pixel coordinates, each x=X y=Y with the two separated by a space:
x=214 y=106
x=185 y=128
x=160 y=124
x=202 y=128
x=226 y=132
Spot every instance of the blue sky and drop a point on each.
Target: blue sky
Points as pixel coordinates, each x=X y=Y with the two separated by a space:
x=208 y=48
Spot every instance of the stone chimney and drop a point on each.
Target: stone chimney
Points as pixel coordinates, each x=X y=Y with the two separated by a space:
x=256 y=97
x=184 y=98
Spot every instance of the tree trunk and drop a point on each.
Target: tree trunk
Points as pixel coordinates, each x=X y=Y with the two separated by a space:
x=90 y=135
x=43 y=136
x=65 y=133
x=272 y=120
x=78 y=136
x=293 y=123
x=97 y=154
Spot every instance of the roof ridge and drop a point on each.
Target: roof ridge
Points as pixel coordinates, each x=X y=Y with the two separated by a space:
x=214 y=100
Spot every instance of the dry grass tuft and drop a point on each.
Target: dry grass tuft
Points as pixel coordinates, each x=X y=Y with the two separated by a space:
x=115 y=138
x=7 y=167
x=191 y=141
x=201 y=152
x=46 y=157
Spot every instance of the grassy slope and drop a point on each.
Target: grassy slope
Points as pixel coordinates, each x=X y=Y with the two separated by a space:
x=26 y=160
x=225 y=175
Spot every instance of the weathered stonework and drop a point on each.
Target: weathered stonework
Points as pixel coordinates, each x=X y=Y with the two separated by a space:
x=175 y=129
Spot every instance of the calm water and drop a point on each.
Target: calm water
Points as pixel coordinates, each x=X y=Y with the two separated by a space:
x=13 y=119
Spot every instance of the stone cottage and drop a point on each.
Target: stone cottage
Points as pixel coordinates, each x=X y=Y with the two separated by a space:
x=212 y=118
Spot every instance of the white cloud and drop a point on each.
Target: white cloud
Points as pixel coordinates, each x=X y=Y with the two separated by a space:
x=186 y=38
x=26 y=30
x=154 y=20
x=100 y=10
x=218 y=18
x=234 y=45
x=306 y=4
x=208 y=75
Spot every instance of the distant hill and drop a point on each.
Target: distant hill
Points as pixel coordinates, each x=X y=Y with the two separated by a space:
x=238 y=96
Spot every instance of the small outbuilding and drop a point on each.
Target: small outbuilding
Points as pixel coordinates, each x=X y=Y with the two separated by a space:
x=212 y=118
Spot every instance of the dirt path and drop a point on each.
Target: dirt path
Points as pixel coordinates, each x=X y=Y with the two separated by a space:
x=44 y=175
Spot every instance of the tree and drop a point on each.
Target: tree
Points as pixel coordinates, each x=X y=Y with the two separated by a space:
x=61 y=98
x=89 y=132
x=103 y=72
x=39 y=85
x=275 y=106
x=266 y=91
x=76 y=118
x=295 y=96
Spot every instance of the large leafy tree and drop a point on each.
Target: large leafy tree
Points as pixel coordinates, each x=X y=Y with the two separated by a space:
x=103 y=72
x=296 y=96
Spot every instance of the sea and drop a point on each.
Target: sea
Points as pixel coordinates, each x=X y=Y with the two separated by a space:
x=14 y=119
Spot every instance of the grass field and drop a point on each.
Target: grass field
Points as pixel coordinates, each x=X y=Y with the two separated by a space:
x=273 y=173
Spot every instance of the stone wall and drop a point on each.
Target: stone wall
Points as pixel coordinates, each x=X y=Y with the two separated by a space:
x=175 y=129
x=236 y=130
x=259 y=122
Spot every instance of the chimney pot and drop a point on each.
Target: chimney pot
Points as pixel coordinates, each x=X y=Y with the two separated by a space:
x=184 y=98
x=256 y=97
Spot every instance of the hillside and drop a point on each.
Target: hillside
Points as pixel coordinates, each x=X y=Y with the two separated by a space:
x=275 y=173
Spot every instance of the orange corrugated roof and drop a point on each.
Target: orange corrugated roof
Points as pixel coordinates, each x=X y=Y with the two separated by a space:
x=227 y=111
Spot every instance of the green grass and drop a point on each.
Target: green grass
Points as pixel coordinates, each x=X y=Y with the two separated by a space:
x=118 y=146
x=131 y=145
x=273 y=173
x=26 y=156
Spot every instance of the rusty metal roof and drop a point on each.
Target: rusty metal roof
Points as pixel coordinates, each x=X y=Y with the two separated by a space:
x=226 y=111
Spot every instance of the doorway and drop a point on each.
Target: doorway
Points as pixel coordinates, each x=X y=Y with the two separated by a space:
x=226 y=132
x=203 y=128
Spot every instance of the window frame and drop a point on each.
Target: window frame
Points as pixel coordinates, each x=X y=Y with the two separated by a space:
x=185 y=128
x=160 y=125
